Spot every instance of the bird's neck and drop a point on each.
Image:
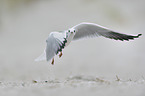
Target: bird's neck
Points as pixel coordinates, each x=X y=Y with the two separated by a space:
x=69 y=38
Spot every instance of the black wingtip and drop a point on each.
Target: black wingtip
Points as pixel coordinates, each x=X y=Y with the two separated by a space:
x=139 y=35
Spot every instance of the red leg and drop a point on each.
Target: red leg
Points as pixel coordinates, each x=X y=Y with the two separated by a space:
x=52 y=61
x=60 y=54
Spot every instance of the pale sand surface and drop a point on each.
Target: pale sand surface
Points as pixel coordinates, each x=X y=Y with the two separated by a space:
x=74 y=85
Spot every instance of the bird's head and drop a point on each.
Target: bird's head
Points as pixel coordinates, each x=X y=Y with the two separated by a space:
x=72 y=31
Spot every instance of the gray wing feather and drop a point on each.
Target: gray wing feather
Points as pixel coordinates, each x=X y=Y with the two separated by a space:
x=93 y=30
x=53 y=45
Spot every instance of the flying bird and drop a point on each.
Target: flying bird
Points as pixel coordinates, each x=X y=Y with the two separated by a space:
x=58 y=40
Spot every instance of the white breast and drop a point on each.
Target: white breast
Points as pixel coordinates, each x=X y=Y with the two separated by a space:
x=69 y=39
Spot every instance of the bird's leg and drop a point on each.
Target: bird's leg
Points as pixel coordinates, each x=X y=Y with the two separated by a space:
x=60 y=54
x=52 y=61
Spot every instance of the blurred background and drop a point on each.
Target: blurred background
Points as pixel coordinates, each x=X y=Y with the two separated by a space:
x=26 y=24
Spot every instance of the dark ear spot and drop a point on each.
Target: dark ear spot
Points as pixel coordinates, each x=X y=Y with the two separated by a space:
x=68 y=30
x=74 y=30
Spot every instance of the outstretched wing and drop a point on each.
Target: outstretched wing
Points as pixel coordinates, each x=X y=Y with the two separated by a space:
x=93 y=30
x=55 y=43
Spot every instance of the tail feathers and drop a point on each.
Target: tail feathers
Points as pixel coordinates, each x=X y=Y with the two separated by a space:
x=41 y=57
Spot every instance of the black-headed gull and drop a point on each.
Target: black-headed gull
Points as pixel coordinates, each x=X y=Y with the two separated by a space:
x=57 y=41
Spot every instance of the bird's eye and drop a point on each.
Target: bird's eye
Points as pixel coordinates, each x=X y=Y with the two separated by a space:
x=68 y=30
x=74 y=30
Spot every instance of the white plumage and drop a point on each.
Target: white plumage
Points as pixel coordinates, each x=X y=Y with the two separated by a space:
x=57 y=41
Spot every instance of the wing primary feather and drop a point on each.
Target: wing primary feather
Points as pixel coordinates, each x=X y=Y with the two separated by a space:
x=120 y=36
x=93 y=30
